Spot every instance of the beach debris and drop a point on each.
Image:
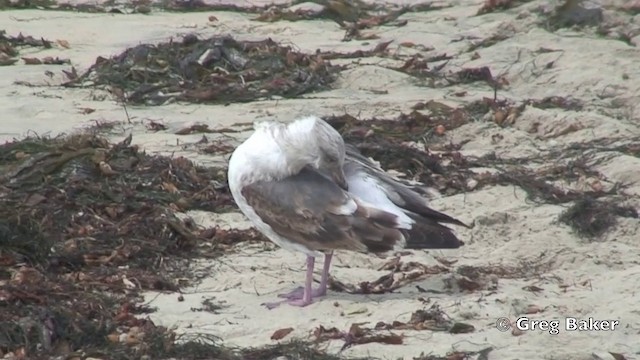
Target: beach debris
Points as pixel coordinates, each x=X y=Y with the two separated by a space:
x=215 y=147
x=356 y=335
x=591 y=218
x=71 y=74
x=433 y=319
x=469 y=75
x=350 y=14
x=533 y=309
x=86 y=110
x=106 y=169
x=413 y=126
x=63 y=43
x=281 y=333
x=468 y=278
x=575 y=13
x=154 y=126
x=504 y=112
x=10 y=47
x=490 y=6
x=435 y=76
x=229 y=237
x=487 y=42
x=21 y=40
x=533 y=288
x=197 y=128
x=418 y=66
x=211 y=145
x=6 y=60
x=48 y=60
x=557 y=102
x=211 y=306
x=401 y=275
x=379 y=50
x=77 y=246
x=354 y=310
x=219 y=69
x=615 y=356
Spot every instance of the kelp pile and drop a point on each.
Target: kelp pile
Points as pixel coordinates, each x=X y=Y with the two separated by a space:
x=86 y=225
x=215 y=70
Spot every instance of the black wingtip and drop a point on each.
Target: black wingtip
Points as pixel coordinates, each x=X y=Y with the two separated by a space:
x=435 y=239
x=429 y=234
x=437 y=216
x=458 y=222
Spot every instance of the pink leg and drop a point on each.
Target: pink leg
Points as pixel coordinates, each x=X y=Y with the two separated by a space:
x=324 y=280
x=306 y=296
x=321 y=290
x=303 y=296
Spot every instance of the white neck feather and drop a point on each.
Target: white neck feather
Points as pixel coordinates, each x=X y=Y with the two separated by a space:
x=274 y=151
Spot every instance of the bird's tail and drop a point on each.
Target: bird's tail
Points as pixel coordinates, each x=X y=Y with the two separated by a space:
x=379 y=231
x=429 y=234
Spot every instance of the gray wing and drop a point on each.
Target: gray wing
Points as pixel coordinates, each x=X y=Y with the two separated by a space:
x=355 y=156
x=400 y=194
x=313 y=211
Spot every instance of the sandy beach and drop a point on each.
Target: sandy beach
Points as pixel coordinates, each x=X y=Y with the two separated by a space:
x=552 y=272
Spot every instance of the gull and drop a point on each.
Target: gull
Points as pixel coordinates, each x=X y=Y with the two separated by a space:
x=306 y=191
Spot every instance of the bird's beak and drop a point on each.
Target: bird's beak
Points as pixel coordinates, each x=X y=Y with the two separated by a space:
x=338 y=177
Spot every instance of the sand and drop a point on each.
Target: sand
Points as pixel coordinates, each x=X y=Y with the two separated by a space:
x=580 y=278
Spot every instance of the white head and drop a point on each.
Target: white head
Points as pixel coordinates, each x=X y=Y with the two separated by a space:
x=312 y=141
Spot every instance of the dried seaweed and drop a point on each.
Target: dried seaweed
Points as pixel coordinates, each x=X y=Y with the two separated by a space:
x=591 y=218
x=575 y=13
x=214 y=70
x=488 y=42
x=350 y=14
x=486 y=278
x=433 y=319
x=85 y=225
x=417 y=66
x=490 y=6
x=379 y=50
x=357 y=335
x=558 y=102
x=10 y=47
x=401 y=275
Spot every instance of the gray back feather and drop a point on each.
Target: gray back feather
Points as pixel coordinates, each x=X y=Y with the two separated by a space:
x=309 y=209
